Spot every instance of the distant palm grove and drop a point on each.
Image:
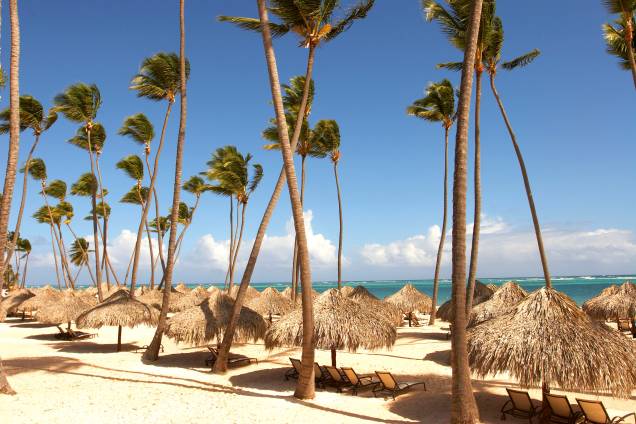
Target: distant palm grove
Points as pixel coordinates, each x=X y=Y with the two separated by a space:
x=230 y=177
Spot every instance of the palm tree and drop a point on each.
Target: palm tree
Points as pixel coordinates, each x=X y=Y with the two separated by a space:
x=438 y=106
x=281 y=10
x=42 y=216
x=86 y=186
x=80 y=103
x=195 y=186
x=24 y=245
x=31 y=116
x=79 y=255
x=493 y=61
x=158 y=79
x=463 y=406
x=152 y=353
x=620 y=36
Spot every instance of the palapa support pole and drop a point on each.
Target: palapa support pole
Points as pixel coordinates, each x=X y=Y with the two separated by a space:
x=546 y=410
x=119 y=338
x=333 y=357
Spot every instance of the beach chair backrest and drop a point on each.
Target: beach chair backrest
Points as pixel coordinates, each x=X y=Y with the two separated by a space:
x=351 y=375
x=386 y=379
x=295 y=363
x=594 y=411
x=213 y=352
x=333 y=373
x=560 y=405
x=521 y=400
x=317 y=370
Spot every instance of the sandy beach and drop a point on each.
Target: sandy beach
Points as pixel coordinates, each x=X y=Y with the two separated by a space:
x=87 y=381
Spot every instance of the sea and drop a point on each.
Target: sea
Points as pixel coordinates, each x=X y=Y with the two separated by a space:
x=579 y=288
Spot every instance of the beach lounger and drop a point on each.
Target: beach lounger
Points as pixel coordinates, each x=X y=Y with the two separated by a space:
x=232 y=359
x=388 y=385
x=294 y=371
x=595 y=413
x=562 y=411
x=336 y=379
x=320 y=375
x=357 y=381
x=519 y=405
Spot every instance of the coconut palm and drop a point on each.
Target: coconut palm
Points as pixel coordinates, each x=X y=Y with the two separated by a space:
x=438 y=106
x=42 y=216
x=80 y=103
x=195 y=186
x=619 y=37
x=79 y=256
x=159 y=79
x=341 y=26
x=24 y=246
x=152 y=353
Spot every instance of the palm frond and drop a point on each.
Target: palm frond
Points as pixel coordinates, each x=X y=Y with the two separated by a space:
x=521 y=61
x=139 y=128
x=132 y=166
x=253 y=24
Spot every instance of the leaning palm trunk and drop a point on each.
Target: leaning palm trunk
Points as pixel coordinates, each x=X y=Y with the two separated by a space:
x=230 y=254
x=64 y=257
x=157 y=215
x=220 y=365
x=5 y=387
x=474 y=249
x=629 y=37
x=238 y=243
x=57 y=271
x=152 y=353
x=26 y=267
x=440 y=248
x=526 y=183
x=185 y=228
x=14 y=135
x=463 y=406
x=335 y=174
x=63 y=263
x=98 y=272
x=296 y=259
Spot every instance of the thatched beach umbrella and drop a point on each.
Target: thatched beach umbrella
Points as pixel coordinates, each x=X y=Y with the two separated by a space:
x=12 y=302
x=389 y=310
x=502 y=301
x=181 y=287
x=482 y=293
x=154 y=298
x=287 y=292
x=493 y=287
x=192 y=298
x=250 y=294
x=409 y=299
x=614 y=304
x=346 y=290
x=42 y=297
x=119 y=310
x=339 y=323
x=202 y=323
x=547 y=340
x=271 y=302
x=213 y=289
x=65 y=308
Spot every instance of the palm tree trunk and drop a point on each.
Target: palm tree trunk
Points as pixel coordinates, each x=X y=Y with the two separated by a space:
x=84 y=252
x=306 y=387
x=186 y=226
x=229 y=259
x=463 y=406
x=296 y=262
x=235 y=245
x=152 y=353
x=629 y=37
x=63 y=263
x=14 y=135
x=98 y=272
x=5 y=387
x=442 y=238
x=474 y=249
x=57 y=271
x=158 y=215
x=64 y=257
x=220 y=366
x=152 y=256
x=101 y=194
x=146 y=205
x=526 y=183
x=26 y=267
x=239 y=239
x=335 y=173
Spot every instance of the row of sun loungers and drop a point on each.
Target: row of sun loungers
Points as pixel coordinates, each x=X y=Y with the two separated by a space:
x=520 y=405
x=346 y=378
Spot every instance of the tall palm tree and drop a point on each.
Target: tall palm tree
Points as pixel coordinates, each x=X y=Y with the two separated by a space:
x=24 y=245
x=493 y=62
x=79 y=255
x=80 y=103
x=463 y=406
x=438 y=106
x=159 y=80
x=31 y=117
x=195 y=186
x=620 y=36
x=14 y=143
x=42 y=216
x=87 y=186
x=453 y=21
x=152 y=353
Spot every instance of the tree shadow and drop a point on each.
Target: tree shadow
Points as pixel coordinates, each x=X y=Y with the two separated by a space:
x=190 y=360
x=23 y=365
x=92 y=347
x=441 y=357
x=266 y=379
x=30 y=325
x=422 y=335
x=48 y=337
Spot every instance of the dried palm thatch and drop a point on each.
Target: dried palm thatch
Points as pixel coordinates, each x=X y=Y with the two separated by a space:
x=192 y=298
x=12 y=302
x=346 y=290
x=493 y=287
x=619 y=304
x=287 y=292
x=389 y=310
x=65 y=308
x=271 y=302
x=181 y=287
x=213 y=289
x=250 y=294
x=202 y=323
x=339 y=323
x=155 y=298
x=502 y=301
x=547 y=339
x=43 y=297
x=409 y=299
x=482 y=293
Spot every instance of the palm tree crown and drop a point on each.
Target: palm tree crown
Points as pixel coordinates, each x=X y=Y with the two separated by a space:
x=138 y=128
x=158 y=79
x=56 y=189
x=37 y=169
x=438 y=105
x=133 y=167
x=97 y=140
x=86 y=185
x=31 y=116
x=79 y=103
x=229 y=169
x=79 y=252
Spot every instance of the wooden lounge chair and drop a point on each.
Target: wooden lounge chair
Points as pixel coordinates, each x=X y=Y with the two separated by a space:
x=336 y=379
x=595 y=413
x=232 y=360
x=320 y=375
x=519 y=405
x=294 y=371
x=562 y=411
x=357 y=381
x=388 y=385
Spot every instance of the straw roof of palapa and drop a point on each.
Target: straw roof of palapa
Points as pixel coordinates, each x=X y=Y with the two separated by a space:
x=502 y=301
x=12 y=301
x=213 y=289
x=493 y=287
x=271 y=302
x=409 y=299
x=65 y=308
x=43 y=297
x=181 y=287
x=200 y=324
x=547 y=338
x=119 y=309
x=346 y=290
x=192 y=298
x=250 y=294
x=389 y=310
x=620 y=304
x=482 y=293
x=155 y=298
x=339 y=323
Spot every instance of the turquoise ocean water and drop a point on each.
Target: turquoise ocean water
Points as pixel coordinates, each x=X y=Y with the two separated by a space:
x=579 y=288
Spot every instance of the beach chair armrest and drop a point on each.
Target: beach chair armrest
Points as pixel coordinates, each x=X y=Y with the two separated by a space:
x=622 y=418
x=505 y=404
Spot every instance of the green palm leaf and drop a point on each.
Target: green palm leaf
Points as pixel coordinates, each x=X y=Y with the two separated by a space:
x=139 y=128
x=132 y=166
x=159 y=77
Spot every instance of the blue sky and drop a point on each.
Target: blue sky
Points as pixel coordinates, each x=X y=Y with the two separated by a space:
x=572 y=110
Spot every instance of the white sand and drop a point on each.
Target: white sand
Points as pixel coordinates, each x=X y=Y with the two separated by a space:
x=87 y=382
